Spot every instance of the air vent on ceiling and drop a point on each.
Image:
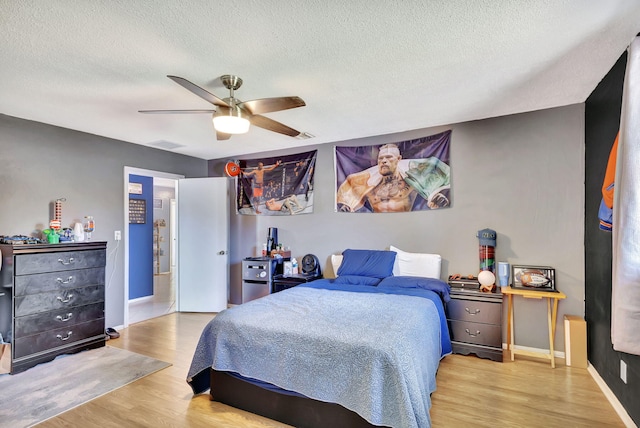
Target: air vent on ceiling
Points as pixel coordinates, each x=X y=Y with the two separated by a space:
x=167 y=145
x=304 y=136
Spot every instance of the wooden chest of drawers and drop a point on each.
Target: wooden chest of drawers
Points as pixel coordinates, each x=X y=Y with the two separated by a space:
x=58 y=294
x=475 y=323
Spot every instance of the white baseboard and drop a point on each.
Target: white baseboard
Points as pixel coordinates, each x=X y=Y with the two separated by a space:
x=628 y=422
x=626 y=419
x=557 y=354
x=138 y=300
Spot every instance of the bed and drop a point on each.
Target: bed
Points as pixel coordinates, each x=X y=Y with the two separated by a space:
x=362 y=349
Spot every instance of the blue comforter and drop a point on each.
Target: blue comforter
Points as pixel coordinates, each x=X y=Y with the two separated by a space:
x=371 y=349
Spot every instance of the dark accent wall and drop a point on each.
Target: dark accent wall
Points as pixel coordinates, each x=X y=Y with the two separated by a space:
x=141 y=243
x=602 y=119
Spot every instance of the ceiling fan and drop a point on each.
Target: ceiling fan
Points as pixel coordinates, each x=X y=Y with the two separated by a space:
x=233 y=116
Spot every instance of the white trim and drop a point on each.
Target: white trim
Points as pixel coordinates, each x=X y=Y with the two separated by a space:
x=557 y=354
x=118 y=327
x=125 y=236
x=143 y=299
x=628 y=422
x=617 y=406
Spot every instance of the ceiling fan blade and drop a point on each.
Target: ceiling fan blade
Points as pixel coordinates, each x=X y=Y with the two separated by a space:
x=267 y=105
x=272 y=125
x=175 y=111
x=222 y=136
x=202 y=93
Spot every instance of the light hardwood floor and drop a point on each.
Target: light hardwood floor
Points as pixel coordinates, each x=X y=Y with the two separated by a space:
x=162 y=302
x=471 y=391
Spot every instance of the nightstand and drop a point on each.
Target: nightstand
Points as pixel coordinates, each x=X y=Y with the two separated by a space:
x=475 y=323
x=284 y=282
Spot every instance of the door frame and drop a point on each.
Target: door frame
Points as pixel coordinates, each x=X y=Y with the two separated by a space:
x=125 y=235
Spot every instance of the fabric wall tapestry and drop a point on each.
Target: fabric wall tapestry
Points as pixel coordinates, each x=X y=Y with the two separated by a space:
x=411 y=175
x=277 y=186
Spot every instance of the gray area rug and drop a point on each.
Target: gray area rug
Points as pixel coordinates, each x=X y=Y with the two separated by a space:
x=49 y=389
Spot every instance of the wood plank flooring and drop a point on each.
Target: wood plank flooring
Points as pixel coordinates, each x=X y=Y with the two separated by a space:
x=471 y=391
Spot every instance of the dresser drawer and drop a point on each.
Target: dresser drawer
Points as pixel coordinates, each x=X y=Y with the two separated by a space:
x=41 y=282
x=477 y=333
x=60 y=337
x=475 y=311
x=54 y=300
x=32 y=324
x=58 y=261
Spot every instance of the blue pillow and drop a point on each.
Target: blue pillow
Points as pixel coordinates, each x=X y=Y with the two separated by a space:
x=372 y=263
x=433 y=284
x=356 y=280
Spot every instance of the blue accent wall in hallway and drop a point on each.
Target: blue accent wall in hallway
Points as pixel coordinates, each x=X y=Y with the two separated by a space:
x=141 y=243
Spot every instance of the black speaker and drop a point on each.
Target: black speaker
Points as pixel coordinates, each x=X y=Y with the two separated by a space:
x=272 y=239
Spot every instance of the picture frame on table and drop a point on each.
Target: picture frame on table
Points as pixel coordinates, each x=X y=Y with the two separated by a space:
x=530 y=277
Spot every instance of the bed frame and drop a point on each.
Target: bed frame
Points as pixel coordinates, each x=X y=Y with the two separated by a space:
x=303 y=412
x=293 y=410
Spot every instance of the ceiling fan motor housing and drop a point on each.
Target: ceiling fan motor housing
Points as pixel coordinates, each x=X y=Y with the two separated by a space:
x=231 y=82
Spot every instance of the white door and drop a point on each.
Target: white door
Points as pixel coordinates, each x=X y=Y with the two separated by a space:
x=203 y=244
x=173 y=225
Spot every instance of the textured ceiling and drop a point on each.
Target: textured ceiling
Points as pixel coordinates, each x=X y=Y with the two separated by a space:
x=364 y=67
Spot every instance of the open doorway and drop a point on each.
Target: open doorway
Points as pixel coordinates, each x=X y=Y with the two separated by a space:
x=158 y=241
x=162 y=301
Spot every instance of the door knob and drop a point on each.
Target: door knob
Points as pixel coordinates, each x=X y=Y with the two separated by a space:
x=222 y=252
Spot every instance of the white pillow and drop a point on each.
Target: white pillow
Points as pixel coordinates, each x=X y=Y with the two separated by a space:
x=336 y=261
x=416 y=264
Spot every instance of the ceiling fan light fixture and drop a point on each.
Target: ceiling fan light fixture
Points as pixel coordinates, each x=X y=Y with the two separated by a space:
x=230 y=121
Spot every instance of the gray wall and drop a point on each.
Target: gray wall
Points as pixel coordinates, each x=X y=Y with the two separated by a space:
x=522 y=175
x=40 y=163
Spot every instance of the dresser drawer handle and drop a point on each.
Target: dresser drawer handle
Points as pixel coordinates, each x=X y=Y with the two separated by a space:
x=471 y=334
x=65 y=318
x=66 y=299
x=67 y=262
x=67 y=281
x=69 y=333
x=475 y=312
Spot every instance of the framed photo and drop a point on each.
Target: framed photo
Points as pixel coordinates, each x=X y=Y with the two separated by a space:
x=542 y=278
x=137 y=211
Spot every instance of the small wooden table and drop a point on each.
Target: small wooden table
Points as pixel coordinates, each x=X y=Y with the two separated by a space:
x=551 y=318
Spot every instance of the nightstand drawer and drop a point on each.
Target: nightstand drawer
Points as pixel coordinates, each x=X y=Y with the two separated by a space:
x=475 y=311
x=477 y=333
